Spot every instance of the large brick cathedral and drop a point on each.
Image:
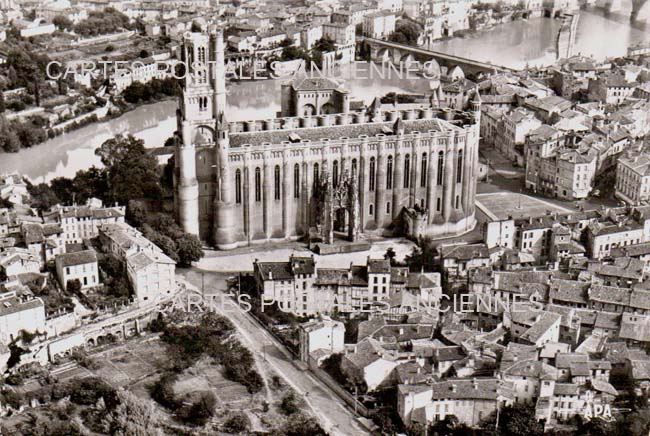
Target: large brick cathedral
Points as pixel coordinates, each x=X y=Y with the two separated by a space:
x=329 y=171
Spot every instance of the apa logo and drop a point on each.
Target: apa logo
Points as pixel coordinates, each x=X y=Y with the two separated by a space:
x=599 y=411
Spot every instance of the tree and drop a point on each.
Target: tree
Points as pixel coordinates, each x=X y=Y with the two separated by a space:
x=136 y=213
x=390 y=255
x=132 y=417
x=423 y=256
x=144 y=54
x=237 y=423
x=163 y=391
x=73 y=286
x=189 y=250
x=289 y=404
x=43 y=196
x=299 y=424
x=516 y=420
x=196 y=27
x=132 y=172
x=199 y=411
x=406 y=32
x=62 y=22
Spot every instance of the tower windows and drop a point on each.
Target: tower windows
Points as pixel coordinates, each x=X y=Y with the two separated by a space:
x=438 y=204
x=459 y=167
x=388 y=207
x=238 y=186
x=276 y=190
x=423 y=173
x=335 y=173
x=203 y=104
x=441 y=166
x=389 y=173
x=258 y=184
x=407 y=171
x=371 y=180
x=457 y=201
x=316 y=176
x=296 y=181
x=354 y=167
x=371 y=209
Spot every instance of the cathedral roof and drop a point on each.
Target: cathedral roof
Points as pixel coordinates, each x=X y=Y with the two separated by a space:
x=315 y=134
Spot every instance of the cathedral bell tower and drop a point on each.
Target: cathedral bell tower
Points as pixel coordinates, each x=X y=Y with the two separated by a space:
x=202 y=126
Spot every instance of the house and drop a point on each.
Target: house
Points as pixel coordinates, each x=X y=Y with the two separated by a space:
x=530 y=379
x=367 y=362
x=533 y=327
x=633 y=178
x=83 y=222
x=458 y=259
x=20 y=312
x=151 y=274
x=379 y=25
x=80 y=265
x=321 y=334
x=13 y=189
x=16 y=261
x=468 y=400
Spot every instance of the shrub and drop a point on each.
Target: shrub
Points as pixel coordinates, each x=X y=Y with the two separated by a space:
x=236 y=423
x=289 y=404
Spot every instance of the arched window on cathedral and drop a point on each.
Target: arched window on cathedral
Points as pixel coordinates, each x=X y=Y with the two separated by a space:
x=276 y=190
x=354 y=167
x=371 y=173
x=258 y=184
x=238 y=186
x=441 y=165
x=407 y=170
x=335 y=173
x=423 y=172
x=389 y=173
x=296 y=181
x=316 y=176
x=459 y=167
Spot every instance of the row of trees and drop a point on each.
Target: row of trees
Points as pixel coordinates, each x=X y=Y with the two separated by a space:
x=100 y=23
x=15 y=134
x=155 y=89
x=313 y=56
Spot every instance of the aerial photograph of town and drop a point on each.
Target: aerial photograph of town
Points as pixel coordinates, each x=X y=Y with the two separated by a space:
x=325 y=217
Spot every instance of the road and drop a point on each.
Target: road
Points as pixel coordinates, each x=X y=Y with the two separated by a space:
x=333 y=414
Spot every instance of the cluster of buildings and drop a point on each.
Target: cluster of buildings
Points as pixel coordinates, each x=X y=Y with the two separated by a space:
x=564 y=337
x=570 y=125
x=42 y=253
x=298 y=286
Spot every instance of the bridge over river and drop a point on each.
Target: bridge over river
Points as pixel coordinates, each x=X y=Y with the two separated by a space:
x=387 y=51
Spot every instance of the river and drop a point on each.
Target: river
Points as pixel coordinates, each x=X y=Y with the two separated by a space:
x=532 y=42
x=64 y=155
x=513 y=44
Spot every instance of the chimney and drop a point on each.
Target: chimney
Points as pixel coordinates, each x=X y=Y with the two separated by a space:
x=270 y=275
x=475 y=384
x=454 y=388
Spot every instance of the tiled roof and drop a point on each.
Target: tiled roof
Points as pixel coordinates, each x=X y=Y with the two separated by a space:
x=464 y=251
x=475 y=389
x=77 y=258
x=275 y=270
